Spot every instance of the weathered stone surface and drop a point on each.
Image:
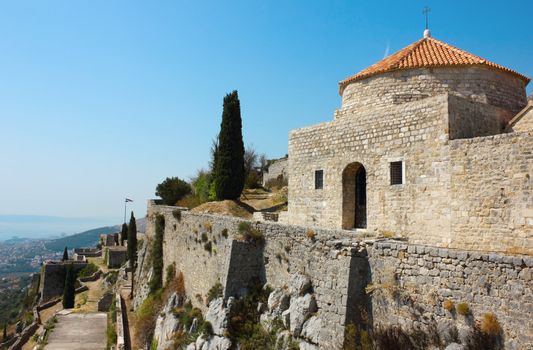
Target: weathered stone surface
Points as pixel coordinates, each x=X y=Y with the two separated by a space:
x=311 y=329
x=166 y=324
x=455 y=346
x=213 y=343
x=299 y=284
x=307 y=346
x=218 y=315
x=300 y=310
x=278 y=301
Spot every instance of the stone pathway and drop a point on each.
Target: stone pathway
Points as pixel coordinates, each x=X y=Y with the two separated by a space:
x=80 y=331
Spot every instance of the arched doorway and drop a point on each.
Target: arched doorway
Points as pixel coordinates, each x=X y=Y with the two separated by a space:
x=354 y=196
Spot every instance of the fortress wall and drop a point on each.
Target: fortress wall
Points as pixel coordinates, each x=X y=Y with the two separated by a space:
x=408 y=282
x=279 y=167
x=411 y=282
x=492 y=193
x=53 y=278
x=413 y=132
x=476 y=83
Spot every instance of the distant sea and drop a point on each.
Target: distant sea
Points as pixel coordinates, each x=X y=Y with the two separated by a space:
x=44 y=227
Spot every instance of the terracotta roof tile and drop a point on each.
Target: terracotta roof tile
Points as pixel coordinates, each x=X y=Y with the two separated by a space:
x=426 y=52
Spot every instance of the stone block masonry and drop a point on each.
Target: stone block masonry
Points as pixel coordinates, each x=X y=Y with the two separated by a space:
x=53 y=278
x=354 y=280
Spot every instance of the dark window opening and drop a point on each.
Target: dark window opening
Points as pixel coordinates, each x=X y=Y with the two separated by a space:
x=396 y=173
x=319 y=179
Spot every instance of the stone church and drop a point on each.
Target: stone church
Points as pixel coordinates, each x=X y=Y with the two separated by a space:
x=432 y=143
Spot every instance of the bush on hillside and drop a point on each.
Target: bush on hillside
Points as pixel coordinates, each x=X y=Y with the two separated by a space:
x=172 y=189
x=88 y=270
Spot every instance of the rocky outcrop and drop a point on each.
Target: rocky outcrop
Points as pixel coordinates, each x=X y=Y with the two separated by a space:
x=167 y=323
x=218 y=315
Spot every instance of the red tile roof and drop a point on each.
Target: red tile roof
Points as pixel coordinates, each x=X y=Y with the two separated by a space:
x=426 y=53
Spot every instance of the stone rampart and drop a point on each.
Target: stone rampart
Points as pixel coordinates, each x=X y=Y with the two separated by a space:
x=53 y=278
x=354 y=280
x=410 y=284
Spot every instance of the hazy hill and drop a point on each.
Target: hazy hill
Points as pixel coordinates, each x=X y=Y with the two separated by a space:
x=80 y=240
x=88 y=238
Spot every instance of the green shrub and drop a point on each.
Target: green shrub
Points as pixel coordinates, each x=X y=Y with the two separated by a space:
x=172 y=189
x=463 y=309
x=204 y=237
x=111 y=325
x=88 y=270
x=176 y=214
x=215 y=292
x=224 y=233
x=244 y=327
x=208 y=247
x=171 y=273
x=146 y=317
x=250 y=233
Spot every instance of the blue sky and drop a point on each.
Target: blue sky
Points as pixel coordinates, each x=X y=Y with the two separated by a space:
x=103 y=99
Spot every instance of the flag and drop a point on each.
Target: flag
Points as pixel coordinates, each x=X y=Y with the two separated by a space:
x=129 y=200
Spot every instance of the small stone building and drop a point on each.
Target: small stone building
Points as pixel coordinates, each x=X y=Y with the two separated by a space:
x=278 y=170
x=432 y=143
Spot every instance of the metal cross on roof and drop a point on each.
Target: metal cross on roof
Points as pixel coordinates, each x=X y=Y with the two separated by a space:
x=426 y=12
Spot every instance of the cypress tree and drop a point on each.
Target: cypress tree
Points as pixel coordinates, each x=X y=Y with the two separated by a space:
x=229 y=159
x=156 y=282
x=65 y=254
x=132 y=242
x=132 y=249
x=5 y=332
x=70 y=288
x=124 y=233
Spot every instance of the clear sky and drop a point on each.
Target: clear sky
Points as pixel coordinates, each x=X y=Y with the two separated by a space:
x=103 y=99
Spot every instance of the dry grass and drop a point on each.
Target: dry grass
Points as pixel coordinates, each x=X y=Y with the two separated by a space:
x=490 y=325
x=311 y=234
x=227 y=207
x=463 y=309
x=448 y=305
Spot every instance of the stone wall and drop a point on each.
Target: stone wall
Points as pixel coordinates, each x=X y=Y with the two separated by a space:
x=276 y=169
x=116 y=256
x=53 y=278
x=202 y=247
x=406 y=283
x=411 y=282
x=479 y=84
x=492 y=193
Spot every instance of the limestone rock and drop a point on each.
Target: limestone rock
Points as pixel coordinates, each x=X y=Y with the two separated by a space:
x=213 y=343
x=166 y=324
x=191 y=346
x=282 y=340
x=299 y=284
x=311 y=329
x=307 y=346
x=299 y=311
x=278 y=301
x=286 y=318
x=218 y=316
x=455 y=346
